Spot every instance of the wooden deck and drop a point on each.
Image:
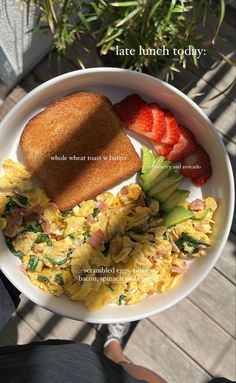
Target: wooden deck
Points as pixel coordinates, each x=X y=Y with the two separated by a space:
x=194 y=340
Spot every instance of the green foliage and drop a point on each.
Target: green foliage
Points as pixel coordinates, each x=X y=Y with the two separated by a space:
x=130 y=24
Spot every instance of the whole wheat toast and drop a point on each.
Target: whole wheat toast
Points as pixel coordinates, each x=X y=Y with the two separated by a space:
x=78 y=148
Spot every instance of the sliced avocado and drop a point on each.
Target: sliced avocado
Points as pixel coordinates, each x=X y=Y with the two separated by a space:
x=177 y=197
x=172 y=179
x=148 y=160
x=164 y=194
x=157 y=174
x=177 y=215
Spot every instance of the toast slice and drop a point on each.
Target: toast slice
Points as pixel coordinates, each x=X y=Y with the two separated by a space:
x=78 y=148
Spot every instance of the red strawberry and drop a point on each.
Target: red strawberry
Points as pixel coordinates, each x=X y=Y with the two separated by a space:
x=195 y=164
x=158 y=129
x=162 y=149
x=135 y=114
x=171 y=136
x=203 y=178
x=185 y=146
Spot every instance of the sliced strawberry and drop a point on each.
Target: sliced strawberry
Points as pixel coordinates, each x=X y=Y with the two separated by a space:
x=195 y=164
x=185 y=146
x=203 y=178
x=158 y=129
x=135 y=113
x=162 y=149
x=171 y=136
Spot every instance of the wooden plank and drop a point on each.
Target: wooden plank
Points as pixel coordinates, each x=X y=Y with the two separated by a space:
x=52 y=326
x=202 y=339
x=221 y=110
x=6 y=107
x=226 y=262
x=17 y=331
x=149 y=347
x=231 y=150
x=210 y=298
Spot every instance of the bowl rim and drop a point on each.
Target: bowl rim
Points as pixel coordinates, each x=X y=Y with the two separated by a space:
x=42 y=87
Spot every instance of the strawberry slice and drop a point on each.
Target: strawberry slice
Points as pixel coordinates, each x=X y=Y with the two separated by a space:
x=172 y=133
x=162 y=149
x=203 y=178
x=158 y=129
x=185 y=146
x=135 y=114
x=195 y=164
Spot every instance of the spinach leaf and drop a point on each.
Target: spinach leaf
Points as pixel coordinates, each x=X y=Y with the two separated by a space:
x=20 y=199
x=11 y=247
x=121 y=298
x=95 y=212
x=66 y=213
x=86 y=236
x=137 y=229
x=43 y=238
x=193 y=240
x=34 y=228
x=33 y=262
x=54 y=262
x=59 y=279
x=43 y=279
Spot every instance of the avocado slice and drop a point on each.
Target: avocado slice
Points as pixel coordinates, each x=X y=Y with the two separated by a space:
x=174 y=199
x=148 y=160
x=169 y=181
x=160 y=171
x=177 y=215
x=164 y=194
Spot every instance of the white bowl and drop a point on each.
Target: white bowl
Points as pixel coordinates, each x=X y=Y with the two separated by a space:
x=117 y=83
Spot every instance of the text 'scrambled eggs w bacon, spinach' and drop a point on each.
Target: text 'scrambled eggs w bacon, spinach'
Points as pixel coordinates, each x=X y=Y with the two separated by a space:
x=107 y=249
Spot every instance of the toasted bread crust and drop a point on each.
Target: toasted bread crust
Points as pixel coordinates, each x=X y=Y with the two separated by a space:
x=82 y=125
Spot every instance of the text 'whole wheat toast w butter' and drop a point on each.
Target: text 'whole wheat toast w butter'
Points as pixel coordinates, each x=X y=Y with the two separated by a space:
x=78 y=148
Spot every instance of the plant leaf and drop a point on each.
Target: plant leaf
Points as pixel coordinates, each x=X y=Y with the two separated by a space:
x=221 y=18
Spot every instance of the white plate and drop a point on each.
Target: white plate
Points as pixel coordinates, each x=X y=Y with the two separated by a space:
x=116 y=84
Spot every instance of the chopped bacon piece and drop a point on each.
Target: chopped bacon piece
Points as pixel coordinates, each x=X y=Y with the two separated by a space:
x=124 y=190
x=90 y=219
x=97 y=238
x=197 y=204
x=14 y=220
x=180 y=269
x=102 y=206
x=23 y=268
x=45 y=226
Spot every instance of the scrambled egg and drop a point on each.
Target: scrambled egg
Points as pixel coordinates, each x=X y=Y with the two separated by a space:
x=112 y=250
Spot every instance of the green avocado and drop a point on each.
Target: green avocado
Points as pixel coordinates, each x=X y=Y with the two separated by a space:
x=174 y=199
x=173 y=179
x=159 y=172
x=177 y=215
x=148 y=160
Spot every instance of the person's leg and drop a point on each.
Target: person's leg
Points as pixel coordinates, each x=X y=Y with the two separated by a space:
x=113 y=350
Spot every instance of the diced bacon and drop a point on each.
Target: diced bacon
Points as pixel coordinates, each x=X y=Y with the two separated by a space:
x=45 y=226
x=52 y=206
x=90 y=219
x=197 y=204
x=97 y=238
x=102 y=206
x=141 y=201
x=124 y=190
x=31 y=217
x=180 y=269
x=23 y=268
x=14 y=220
x=36 y=209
